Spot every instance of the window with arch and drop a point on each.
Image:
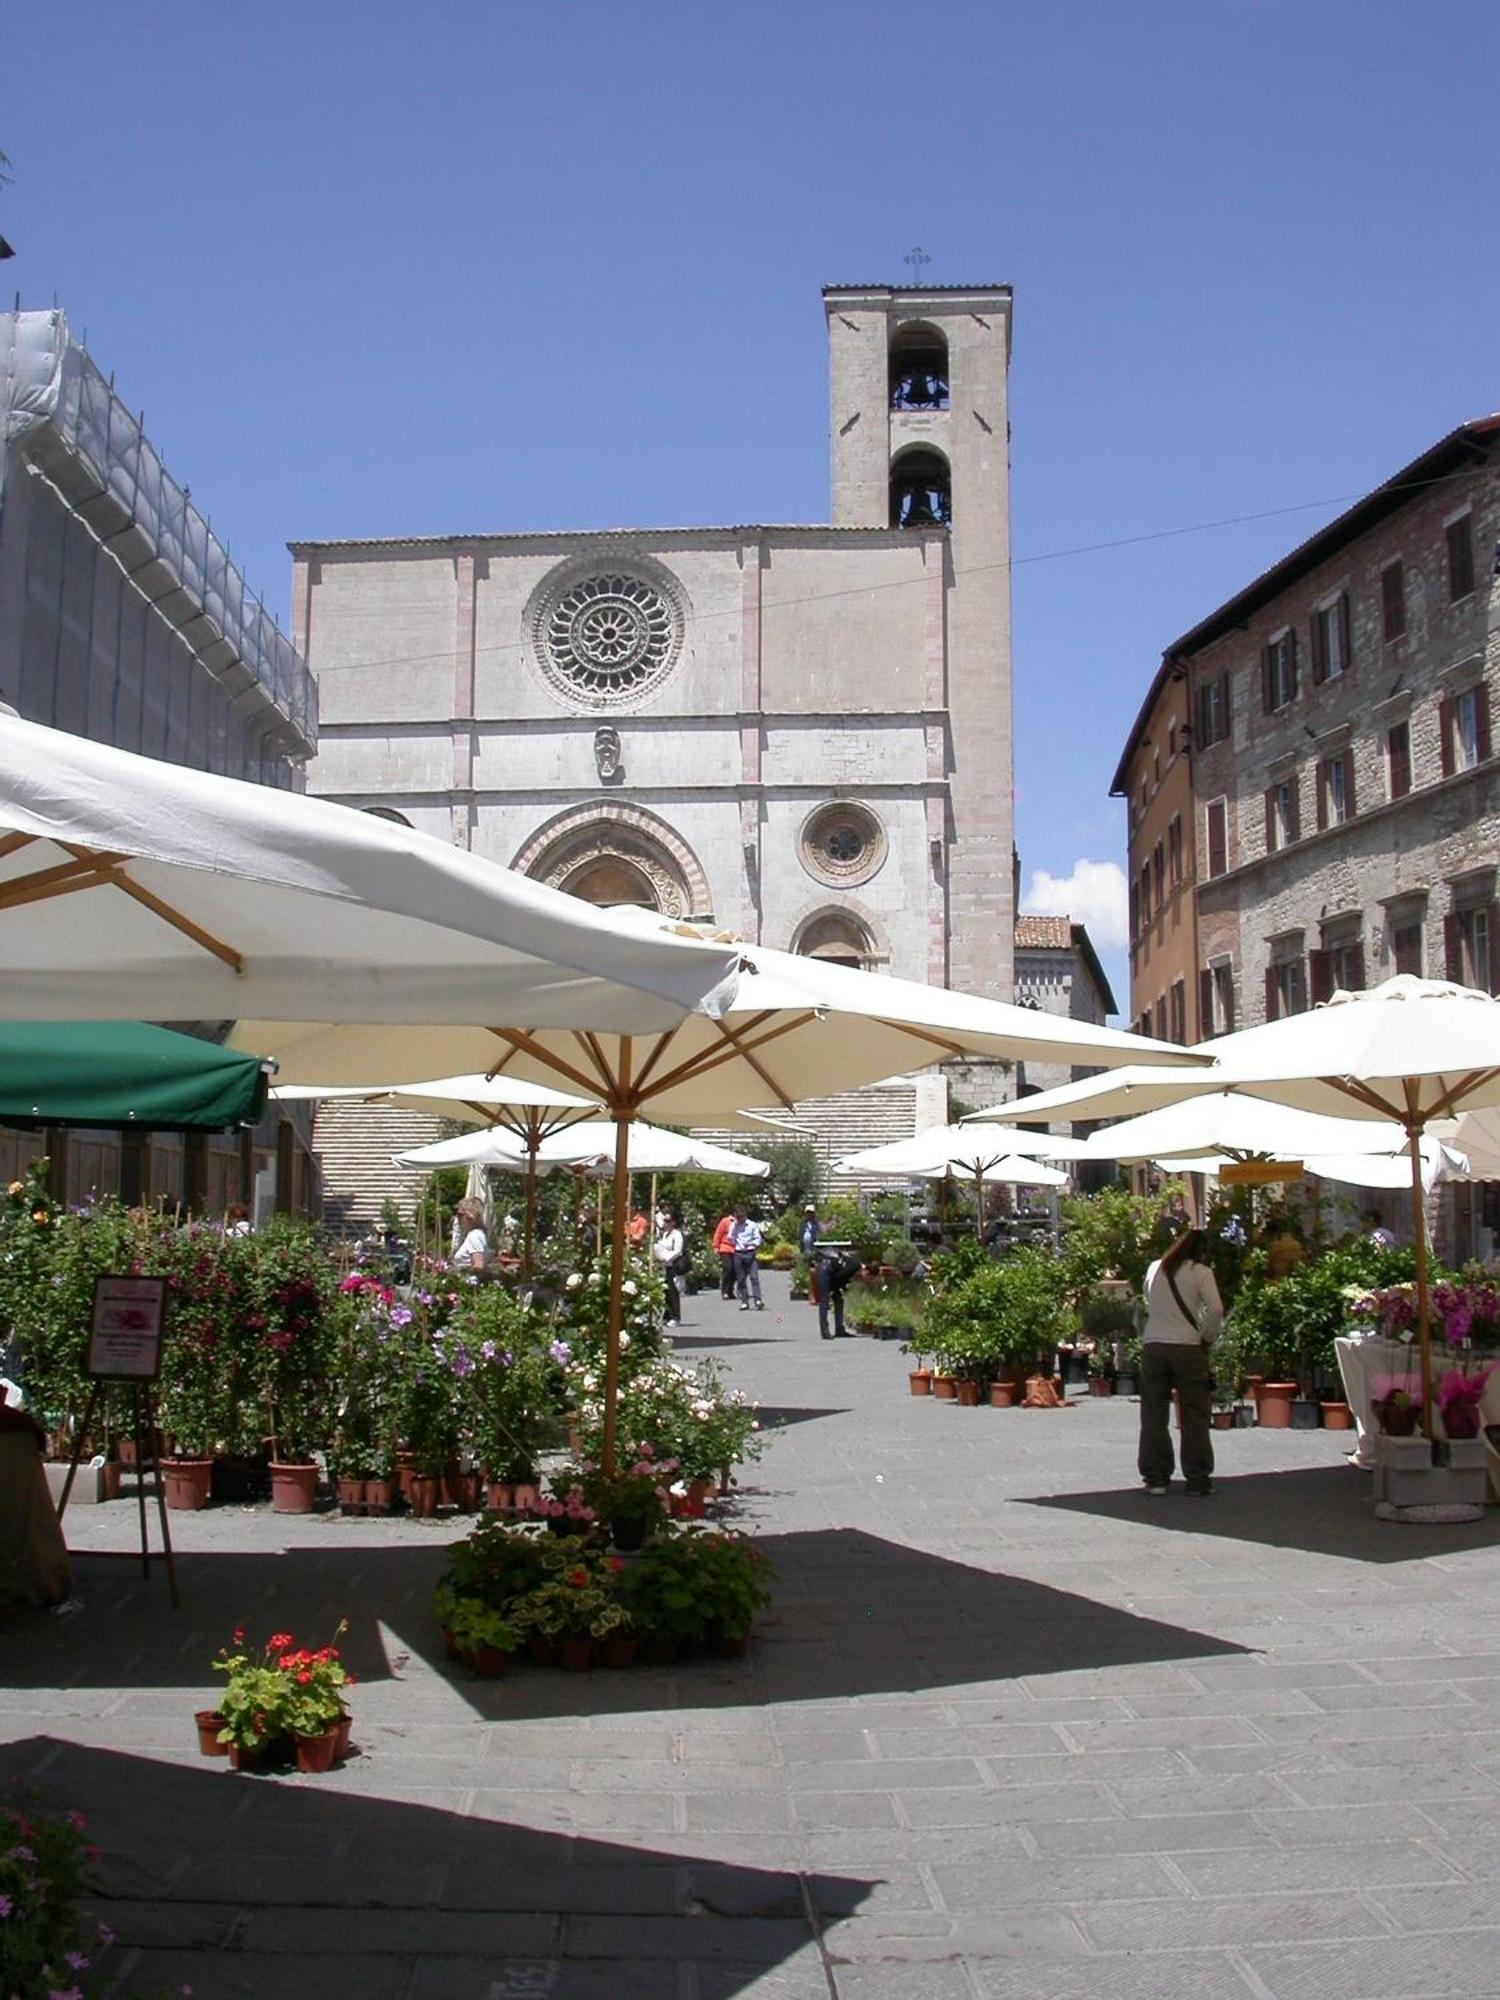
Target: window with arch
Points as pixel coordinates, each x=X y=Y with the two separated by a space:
x=921 y=489
x=919 y=369
x=838 y=937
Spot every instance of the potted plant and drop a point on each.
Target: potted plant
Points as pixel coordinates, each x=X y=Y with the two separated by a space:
x=662 y=1596
x=631 y=1503
x=733 y=1584
x=252 y=1708
x=313 y=1709
x=920 y=1377
x=486 y=1638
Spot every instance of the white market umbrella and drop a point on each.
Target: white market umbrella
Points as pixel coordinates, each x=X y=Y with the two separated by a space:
x=528 y=1111
x=1477 y=1137
x=651 y=1150
x=1240 y=1127
x=1440 y=1164
x=137 y=890
x=796 y=1028
x=996 y=1156
x=1124 y=1092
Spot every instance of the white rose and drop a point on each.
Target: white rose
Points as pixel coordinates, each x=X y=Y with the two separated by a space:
x=629 y=1288
x=575 y=1279
x=624 y=1340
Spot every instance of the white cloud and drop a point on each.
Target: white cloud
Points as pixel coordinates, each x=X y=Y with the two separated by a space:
x=1094 y=894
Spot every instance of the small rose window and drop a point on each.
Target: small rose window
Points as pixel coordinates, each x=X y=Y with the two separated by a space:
x=843 y=843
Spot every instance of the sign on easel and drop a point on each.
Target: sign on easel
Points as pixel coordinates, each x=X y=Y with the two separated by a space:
x=125 y=1333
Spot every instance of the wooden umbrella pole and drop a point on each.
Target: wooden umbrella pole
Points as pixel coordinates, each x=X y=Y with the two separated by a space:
x=533 y=1140
x=577 y=1211
x=621 y=1110
x=1424 y=1304
x=599 y=1215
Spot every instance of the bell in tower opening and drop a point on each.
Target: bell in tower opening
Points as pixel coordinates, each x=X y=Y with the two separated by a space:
x=919 y=369
x=921 y=491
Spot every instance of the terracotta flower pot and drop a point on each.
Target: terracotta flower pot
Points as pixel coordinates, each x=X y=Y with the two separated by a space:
x=461 y=1490
x=423 y=1495
x=342 y=1730
x=575 y=1656
x=921 y=1381
x=1101 y=1385
x=1276 y=1400
x=542 y=1652
x=261 y=1758
x=501 y=1496
x=451 y=1648
x=316 y=1753
x=1222 y=1420
x=210 y=1722
x=112 y=1478
x=620 y=1652
x=658 y=1652
x=1004 y=1395
x=293 y=1488
x=187 y=1482
x=380 y=1495
x=489 y=1662
x=526 y=1496
x=945 y=1388
x=968 y=1395
x=1337 y=1417
x=351 y=1495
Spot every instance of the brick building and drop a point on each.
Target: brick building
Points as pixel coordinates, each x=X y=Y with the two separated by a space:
x=1155 y=777
x=1338 y=790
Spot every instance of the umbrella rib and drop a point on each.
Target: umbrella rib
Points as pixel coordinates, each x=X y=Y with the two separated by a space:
x=12 y=842
x=59 y=880
x=522 y=1043
x=194 y=932
x=705 y=1060
x=663 y=1043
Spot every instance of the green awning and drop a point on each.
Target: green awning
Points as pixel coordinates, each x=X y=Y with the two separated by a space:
x=125 y=1074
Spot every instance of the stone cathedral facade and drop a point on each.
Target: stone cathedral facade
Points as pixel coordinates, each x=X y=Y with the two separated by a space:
x=802 y=733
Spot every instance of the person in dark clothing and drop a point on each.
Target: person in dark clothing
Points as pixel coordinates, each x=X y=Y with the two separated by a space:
x=835 y=1271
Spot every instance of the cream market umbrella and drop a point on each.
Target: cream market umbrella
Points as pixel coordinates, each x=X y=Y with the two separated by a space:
x=651 y=1150
x=1124 y=1092
x=1440 y=1164
x=1239 y=1127
x=529 y=1111
x=796 y=1028
x=137 y=890
x=1416 y=1051
x=947 y=1150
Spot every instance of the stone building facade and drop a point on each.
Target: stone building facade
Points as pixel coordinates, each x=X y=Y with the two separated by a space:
x=1058 y=972
x=123 y=619
x=800 y=732
x=1155 y=778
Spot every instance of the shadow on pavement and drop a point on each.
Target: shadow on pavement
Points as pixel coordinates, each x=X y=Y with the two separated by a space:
x=244 y=1887
x=774 y=1418
x=1326 y=1510
x=853 y=1614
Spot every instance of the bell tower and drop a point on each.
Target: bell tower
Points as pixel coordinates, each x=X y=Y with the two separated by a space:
x=920 y=423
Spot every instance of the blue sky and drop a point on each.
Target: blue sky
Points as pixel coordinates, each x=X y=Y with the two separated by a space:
x=378 y=269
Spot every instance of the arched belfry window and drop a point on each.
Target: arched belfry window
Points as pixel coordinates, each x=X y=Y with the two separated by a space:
x=921 y=489
x=919 y=369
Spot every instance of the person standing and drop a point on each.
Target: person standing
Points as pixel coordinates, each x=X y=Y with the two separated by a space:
x=668 y=1252
x=471 y=1246
x=724 y=1251
x=640 y=1230
x=748 y=1237
x=1184 y=1315
x=810 y=1230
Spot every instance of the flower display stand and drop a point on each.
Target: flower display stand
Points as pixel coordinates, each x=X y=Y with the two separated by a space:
x=1417 y=1481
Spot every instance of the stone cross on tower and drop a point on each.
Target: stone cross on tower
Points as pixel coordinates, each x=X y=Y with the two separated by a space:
x=916 y=257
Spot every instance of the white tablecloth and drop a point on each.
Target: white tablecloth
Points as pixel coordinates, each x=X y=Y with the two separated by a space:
x=1363 y=1357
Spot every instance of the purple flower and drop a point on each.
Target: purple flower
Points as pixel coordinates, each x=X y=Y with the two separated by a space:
x=463 y=1364
x=401 y=1316
x=5 y=1907
x=562 y=1354
x=489 y=1350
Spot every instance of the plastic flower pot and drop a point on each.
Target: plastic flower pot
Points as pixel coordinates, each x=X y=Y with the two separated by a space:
x=1222 y=1420
x=542 y=1652
x=489 y=1662
x=1306 y=1414
x=1276 y=1400
x=1337 y=1417
x=945 y=1388
x=575 y=1656
x=242 y=1757
x=620 y=1652
x=210 y=1722
x=921 y=1381
x=380 y=1495
x=316 y=1753
x=423 y=1495
x=293 y=1488
x=1101 y=1385
x=351 y=1495
x=1004 y=1395
x=501 y=1496
x=968 y=1395
x=628 y=1533
x=342 y=1730
x=187 y=1482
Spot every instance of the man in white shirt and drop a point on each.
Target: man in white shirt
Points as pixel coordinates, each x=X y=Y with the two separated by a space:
x=748 y=1237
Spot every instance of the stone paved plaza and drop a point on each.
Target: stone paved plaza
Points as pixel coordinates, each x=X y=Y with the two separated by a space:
x=1012 y=1731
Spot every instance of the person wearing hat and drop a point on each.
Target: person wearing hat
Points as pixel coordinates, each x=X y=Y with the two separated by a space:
x=471 y=1247
x=810 y=1231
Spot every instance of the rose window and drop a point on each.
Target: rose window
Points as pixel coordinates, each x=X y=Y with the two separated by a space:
x=608 y=637
x=842 y=843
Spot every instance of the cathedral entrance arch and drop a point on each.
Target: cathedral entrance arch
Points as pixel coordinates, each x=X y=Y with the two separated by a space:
x=610 y=854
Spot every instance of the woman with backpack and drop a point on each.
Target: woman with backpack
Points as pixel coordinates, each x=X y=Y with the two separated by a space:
x=1184 y=1316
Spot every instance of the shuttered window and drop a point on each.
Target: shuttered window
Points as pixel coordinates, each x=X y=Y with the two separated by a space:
x=1398 y=759
x=1216 y=841
x=1460 y=557
x=1393 y=600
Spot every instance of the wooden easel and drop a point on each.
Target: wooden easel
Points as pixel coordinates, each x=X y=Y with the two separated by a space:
x=143 y=1424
